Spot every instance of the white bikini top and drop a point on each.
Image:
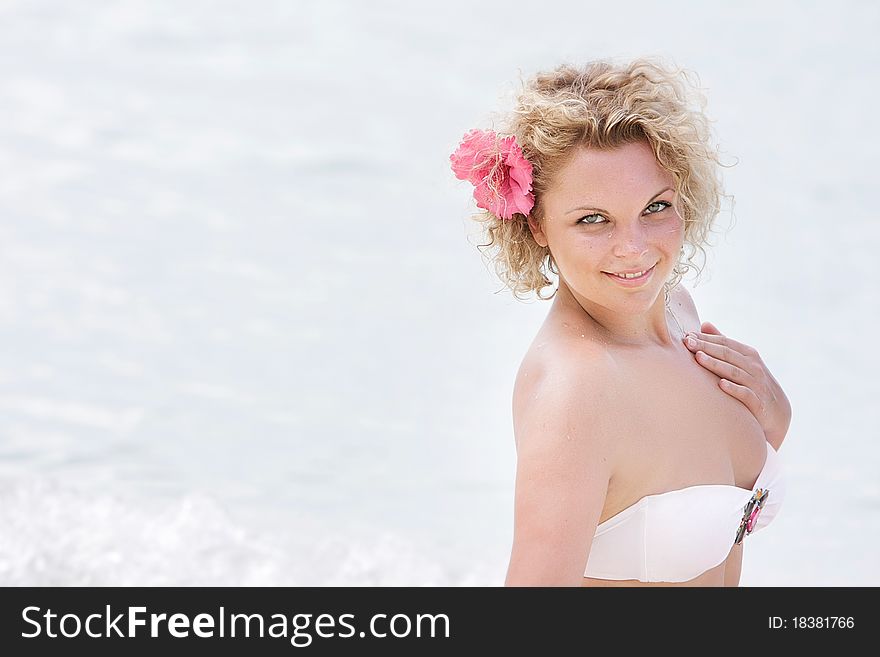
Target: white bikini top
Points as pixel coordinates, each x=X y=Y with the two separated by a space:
x=678 y=535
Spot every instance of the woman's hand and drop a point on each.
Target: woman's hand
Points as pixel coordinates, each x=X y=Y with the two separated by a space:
x=744 y=377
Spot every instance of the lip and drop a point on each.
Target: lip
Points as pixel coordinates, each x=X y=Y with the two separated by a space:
x=632 y=282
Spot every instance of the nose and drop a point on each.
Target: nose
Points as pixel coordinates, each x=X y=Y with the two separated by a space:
x=630 y=241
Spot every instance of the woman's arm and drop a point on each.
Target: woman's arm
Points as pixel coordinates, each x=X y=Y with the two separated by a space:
x=562 y=429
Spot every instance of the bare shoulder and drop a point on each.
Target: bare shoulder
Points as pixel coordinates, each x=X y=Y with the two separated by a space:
x=683 y=305
x=564 y=441
x=555 y=380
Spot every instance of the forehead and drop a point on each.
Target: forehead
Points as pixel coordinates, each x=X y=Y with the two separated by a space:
x=597 y=175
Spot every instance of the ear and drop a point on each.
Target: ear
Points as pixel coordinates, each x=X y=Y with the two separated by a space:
x=537 y=231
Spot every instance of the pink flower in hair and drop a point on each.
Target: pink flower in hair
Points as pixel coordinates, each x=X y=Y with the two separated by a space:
x=501 y=175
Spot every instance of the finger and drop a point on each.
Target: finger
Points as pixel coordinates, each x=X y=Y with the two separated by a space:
x=722 y=368
x=719 y=351
x=709 y=327
x=715 y=349
x=744 y=394
x=744 y=349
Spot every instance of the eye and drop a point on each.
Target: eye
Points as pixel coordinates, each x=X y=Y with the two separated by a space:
x=665 y=205
x=595 y=217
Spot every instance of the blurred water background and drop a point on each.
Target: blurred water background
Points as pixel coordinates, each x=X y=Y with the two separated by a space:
x=247 y=337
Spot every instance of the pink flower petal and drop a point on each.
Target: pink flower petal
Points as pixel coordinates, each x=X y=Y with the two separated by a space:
x=475 y=155
x=501 y=175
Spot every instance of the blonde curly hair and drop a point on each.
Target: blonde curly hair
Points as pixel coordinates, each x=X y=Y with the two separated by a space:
x=604 y=105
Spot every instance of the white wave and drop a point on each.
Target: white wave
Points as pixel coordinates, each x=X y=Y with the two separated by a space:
x=61 y=535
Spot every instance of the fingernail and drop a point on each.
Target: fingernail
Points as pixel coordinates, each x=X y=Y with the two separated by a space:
x=691 y=342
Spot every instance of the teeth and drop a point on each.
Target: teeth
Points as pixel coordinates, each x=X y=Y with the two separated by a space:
x=636 y=275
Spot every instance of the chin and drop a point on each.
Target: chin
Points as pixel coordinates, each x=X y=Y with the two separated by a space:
x=635 y=300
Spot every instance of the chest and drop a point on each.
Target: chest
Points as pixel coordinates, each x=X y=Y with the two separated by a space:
x=681 y=429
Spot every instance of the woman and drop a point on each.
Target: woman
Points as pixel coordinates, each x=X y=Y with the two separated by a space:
x=646 y=440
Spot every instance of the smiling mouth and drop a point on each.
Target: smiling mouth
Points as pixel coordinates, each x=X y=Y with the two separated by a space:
x=632 y=275
x=636 y=277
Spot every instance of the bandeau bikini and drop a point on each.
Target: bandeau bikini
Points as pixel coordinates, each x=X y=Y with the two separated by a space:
x=678 y=535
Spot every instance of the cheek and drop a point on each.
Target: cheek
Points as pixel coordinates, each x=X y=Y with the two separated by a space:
x=669 y=230
x=588 y=248
x=579 y=253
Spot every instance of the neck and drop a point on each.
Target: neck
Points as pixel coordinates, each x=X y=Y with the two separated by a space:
x=650 y=328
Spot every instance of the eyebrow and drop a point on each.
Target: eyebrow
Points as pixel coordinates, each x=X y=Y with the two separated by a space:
x=592 y=209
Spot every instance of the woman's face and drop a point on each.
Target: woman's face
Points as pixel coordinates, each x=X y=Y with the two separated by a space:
x=610 y=212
